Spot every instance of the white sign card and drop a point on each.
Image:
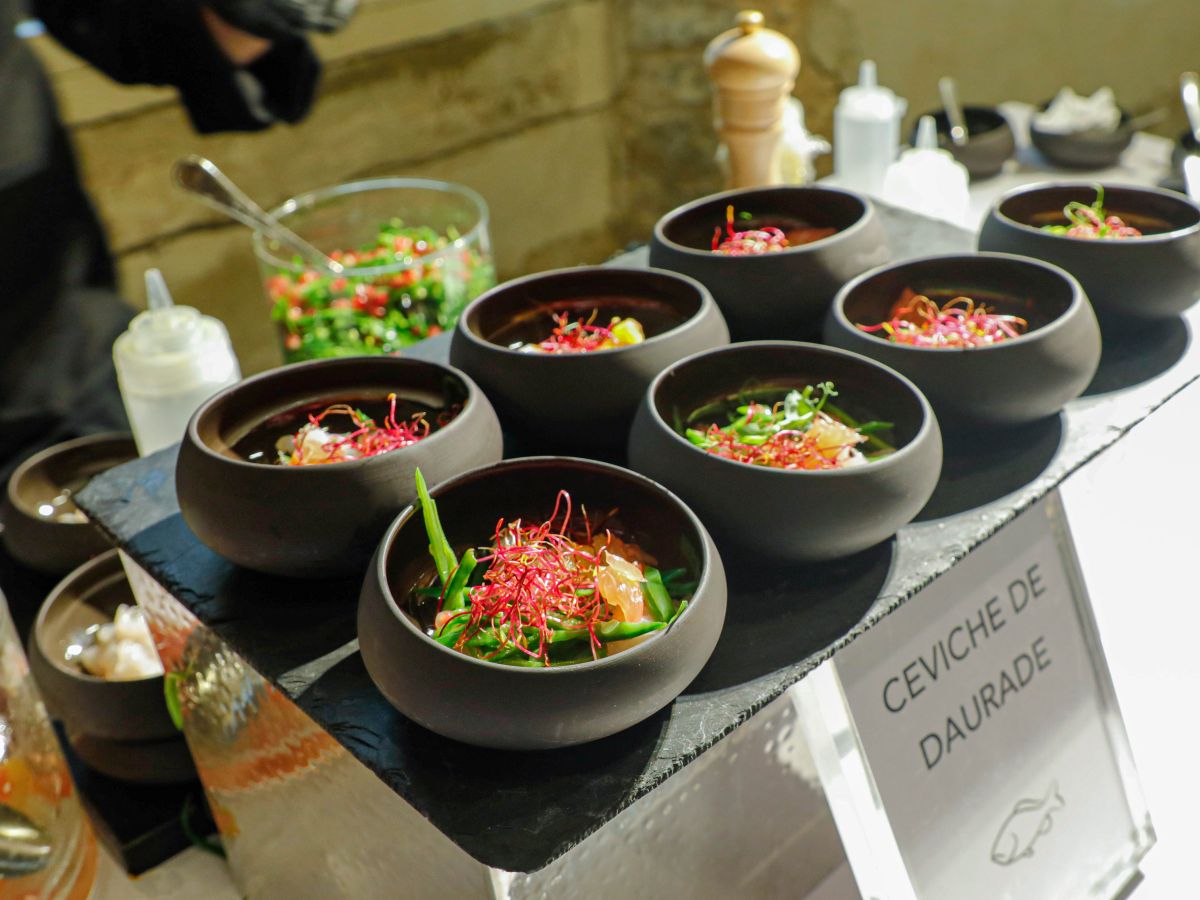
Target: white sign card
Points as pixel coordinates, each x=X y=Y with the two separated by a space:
x=970 y=742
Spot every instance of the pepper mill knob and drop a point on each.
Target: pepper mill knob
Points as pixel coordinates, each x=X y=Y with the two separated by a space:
x=753 y=70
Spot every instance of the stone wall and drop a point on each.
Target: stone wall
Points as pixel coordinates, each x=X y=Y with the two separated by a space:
x=580 y=121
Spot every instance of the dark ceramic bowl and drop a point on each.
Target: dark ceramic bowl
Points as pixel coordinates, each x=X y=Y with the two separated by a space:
x=1016 y=381
x=456 y=695
x=32 y=533
x=581 y=401
x=990 y=140
x=1154 y=276
x=120 y=728
x=323 y=519
x=773 y=295
x=1092 y=149
x=780 y=515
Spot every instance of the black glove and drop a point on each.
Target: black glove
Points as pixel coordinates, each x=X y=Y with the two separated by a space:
x=275 y=19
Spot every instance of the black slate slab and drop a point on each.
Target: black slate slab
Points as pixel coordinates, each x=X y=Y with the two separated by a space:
x=519 y=811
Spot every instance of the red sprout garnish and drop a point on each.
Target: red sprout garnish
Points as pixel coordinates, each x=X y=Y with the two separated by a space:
x=576 y=335
x=538 y=580
x=959 y=323
x=366 y=440
x=767 y=239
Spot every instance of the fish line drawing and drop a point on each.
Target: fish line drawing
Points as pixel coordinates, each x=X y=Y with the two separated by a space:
x=1029 y=820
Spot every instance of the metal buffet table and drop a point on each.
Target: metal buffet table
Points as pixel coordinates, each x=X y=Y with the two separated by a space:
x=322 y=789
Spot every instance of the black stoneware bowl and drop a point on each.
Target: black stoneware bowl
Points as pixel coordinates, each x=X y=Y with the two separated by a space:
x=1018 y=380
x=520 y=708
x=1092 y=149
x=320 y=520
x=582 y=402
x=35 y=531
x=780 y=515
x=1155 y=276
x=773 y=295
x=120 y=728
x=990 y=140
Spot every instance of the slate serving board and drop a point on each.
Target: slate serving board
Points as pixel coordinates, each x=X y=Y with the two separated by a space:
x=520 y=811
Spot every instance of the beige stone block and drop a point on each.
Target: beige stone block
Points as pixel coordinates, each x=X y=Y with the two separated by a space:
x=387 y=112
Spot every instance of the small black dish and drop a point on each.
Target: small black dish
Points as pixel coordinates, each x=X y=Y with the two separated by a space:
x=42 y=527
x=791 y=516
x=773 y=295
x=1010 y=383
x=990 y=142
x=582 y=402
x=1149 y=277
x=321 y=520
x=119 y=728
x=1091 y=149
x=519 y=708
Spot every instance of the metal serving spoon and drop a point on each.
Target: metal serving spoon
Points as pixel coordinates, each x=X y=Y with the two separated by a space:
x=24 y=847
x=948 y=88
x=201 y=177
x=1189 y=90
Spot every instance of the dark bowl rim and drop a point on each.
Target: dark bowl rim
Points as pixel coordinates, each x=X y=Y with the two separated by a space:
x=91 y=569
x=926 y=427
x=379 y=566
x=1001 y=125
x=1078 y=299
x=98 y=439
x=1161 y=237
x=706 y=303
x=192 y=436
x=857 y=225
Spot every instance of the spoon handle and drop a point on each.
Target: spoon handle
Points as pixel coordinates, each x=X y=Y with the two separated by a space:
x=1189 y=90
x=954 y=111
x=202 y=178
x=1191 y=177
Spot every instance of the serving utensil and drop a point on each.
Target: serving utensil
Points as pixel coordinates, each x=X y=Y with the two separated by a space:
x=24 y=846
x=1191 y=177
x=948 y=88
x=202 y=178
x=1189 y=90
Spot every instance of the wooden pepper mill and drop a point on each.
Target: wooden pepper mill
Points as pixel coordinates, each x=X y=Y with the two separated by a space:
x=753 y=70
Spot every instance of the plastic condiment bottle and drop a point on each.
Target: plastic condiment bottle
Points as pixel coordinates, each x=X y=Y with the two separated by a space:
x=866 y=132
x=927 y=179
x=170 y=361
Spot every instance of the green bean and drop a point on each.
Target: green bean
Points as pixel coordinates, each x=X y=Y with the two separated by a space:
x=456 y=592
x=443 y=554
x=658 y=601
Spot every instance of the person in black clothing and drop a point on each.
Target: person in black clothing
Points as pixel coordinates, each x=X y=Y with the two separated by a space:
x=239 y=65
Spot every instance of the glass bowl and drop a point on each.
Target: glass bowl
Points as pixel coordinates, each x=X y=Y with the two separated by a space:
x=416 y=253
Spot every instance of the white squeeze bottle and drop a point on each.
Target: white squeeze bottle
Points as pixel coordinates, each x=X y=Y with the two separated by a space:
x=866 y=132
x=927 y=179
x=170 y=361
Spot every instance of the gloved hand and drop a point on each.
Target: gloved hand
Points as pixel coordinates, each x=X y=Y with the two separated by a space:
x=275 y=19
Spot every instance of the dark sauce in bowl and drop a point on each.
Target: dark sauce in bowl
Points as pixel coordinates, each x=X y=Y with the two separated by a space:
x=536 y=323
x=259 y=444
